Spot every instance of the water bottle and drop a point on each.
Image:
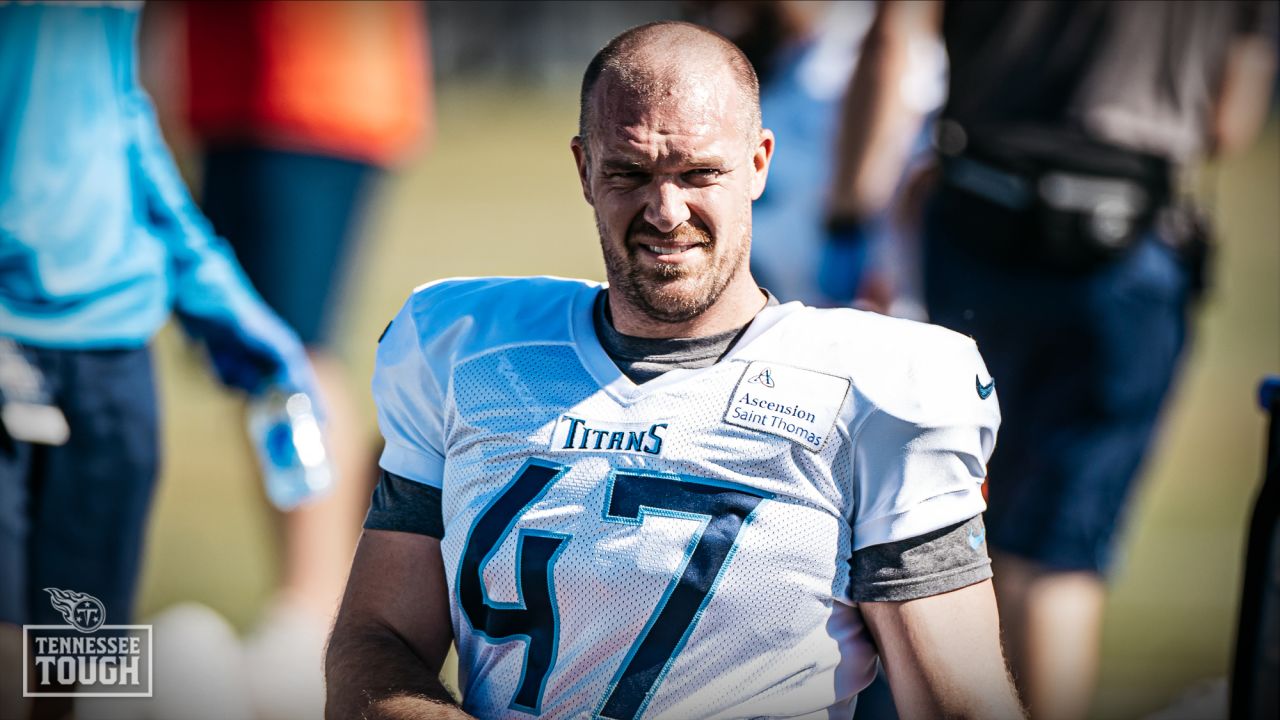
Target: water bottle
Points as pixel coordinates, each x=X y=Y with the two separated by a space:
x=290 y=447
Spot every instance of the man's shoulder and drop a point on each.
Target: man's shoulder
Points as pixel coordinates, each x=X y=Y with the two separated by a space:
x=475 y=313
x=473 y=293
x=905 y=367
x=878 y=338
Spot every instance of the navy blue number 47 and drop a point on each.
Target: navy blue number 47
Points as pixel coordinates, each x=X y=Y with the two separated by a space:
x=724 y=507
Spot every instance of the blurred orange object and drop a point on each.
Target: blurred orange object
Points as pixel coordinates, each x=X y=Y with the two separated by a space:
x=343 y=78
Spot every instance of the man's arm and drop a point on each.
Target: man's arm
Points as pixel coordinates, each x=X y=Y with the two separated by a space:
x=1244 y=93
x=877 y=124
x=248 y=343
x=942 y=655
x=392 y=633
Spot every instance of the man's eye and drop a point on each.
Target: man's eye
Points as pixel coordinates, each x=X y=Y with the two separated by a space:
x=704 y=174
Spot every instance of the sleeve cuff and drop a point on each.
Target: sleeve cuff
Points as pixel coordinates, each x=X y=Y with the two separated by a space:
x=916 y=588
x=936 y=512
x=404 y=505
x=934 y=563
x=426 y=468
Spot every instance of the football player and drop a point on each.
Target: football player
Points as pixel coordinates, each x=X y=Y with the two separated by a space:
x=671 y=496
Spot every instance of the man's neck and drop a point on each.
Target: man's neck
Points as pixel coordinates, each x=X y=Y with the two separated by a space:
x=735 y=307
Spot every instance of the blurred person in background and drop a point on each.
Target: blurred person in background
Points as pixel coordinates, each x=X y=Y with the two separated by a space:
x=99 y=243
x=1055 y=237
x=299 y=108
x=804 y=53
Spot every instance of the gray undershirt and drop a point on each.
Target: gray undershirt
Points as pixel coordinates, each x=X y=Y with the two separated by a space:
x=643 y=359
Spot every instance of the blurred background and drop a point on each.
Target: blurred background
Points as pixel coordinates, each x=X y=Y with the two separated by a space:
x=494 y=191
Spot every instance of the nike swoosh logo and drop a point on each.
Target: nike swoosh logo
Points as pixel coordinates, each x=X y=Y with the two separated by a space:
x=976 y=539
x=984 y=391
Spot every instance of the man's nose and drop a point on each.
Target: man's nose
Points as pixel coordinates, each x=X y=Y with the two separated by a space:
x=666 y=209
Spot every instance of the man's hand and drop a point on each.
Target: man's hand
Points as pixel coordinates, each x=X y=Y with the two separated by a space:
x=392 y=633
x=942 y=655
x=844 y=260
x=251 y=348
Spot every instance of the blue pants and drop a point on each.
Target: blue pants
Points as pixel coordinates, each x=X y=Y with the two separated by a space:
x=73 y=517
x=290 y=217
x=1082 y=364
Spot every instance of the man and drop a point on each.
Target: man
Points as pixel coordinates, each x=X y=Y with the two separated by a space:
x=1054 y=239
x=673 y=497
x=295 y=142
x=99 y=241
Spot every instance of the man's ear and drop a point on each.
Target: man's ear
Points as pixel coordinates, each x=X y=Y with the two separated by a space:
x=579 y=148
x=760 y=158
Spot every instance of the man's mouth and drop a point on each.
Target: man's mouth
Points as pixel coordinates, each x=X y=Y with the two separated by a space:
x=671 y=256
x=669 y=249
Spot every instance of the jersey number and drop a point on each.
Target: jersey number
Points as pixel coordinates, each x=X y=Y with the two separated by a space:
x=533 y=618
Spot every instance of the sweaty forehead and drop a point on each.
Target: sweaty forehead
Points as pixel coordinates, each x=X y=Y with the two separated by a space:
x=693 y=113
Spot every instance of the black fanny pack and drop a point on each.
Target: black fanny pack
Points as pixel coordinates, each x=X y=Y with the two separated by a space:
x=1059 y=201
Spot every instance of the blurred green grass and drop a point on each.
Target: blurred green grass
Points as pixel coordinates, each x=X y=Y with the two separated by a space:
x=497 y=194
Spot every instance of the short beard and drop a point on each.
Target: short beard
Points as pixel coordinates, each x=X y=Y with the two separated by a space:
x=649 y=289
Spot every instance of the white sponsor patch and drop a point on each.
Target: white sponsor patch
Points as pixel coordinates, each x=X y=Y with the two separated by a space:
x=573 y=433
x=787 y=401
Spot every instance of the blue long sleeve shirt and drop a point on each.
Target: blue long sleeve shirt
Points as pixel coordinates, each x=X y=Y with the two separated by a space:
x=99 y=238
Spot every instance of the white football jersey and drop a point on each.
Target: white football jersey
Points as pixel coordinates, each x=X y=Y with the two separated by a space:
x=680 y=548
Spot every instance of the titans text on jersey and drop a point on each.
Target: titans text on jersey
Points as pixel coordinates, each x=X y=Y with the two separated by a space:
x=678 y=548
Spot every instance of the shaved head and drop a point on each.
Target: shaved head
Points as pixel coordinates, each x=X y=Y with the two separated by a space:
x=667 y=62
x=671 y=154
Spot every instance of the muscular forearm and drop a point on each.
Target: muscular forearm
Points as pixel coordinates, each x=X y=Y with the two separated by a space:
x=372 y=674
x=942 y=655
